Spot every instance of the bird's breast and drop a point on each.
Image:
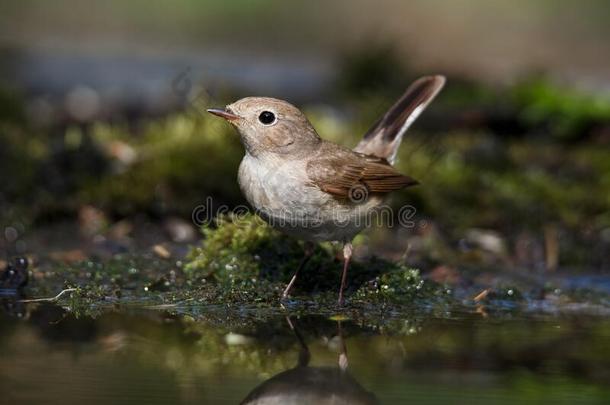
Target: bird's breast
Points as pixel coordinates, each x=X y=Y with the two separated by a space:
x=278 y=186
x=281 y=193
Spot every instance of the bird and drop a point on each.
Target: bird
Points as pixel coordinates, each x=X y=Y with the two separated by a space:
x=314 y=189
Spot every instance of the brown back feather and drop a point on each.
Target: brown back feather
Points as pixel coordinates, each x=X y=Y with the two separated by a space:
x=343 y=171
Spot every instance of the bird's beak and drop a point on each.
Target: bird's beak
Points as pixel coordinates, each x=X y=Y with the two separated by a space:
x=223 y=113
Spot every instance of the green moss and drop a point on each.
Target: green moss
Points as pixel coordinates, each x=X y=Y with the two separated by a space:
x=565 y=113
x=248 y=255
x=172 y=169
x=399 y=284
x=539 y=183
x=232 y=253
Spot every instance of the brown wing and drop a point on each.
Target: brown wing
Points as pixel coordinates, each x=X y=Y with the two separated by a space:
x=344 y=173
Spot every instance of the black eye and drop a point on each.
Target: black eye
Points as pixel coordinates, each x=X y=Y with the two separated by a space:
x=267 y=117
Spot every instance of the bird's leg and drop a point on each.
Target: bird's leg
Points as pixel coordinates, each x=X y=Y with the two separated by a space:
x=304 y=355
x=343 y=349
x=347 y=255
x=309 y=248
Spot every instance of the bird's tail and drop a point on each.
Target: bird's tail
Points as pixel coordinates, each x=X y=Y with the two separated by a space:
x=384 y=138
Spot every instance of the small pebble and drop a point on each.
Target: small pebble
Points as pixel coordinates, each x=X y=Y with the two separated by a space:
x=236 y=339
x=161 y=251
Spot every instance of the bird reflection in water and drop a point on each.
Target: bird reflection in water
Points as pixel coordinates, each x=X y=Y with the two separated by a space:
x=312 y=385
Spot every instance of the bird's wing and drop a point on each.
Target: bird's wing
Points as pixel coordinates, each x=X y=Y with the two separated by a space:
x=346 y=173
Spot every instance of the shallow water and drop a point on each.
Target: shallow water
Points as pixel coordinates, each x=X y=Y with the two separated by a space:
x=216 y=356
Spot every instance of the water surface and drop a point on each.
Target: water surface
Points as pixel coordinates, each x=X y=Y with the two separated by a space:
x=211 y=355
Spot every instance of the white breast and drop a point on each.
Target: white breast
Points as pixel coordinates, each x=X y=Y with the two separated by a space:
x=280 y=193
x=277 y=186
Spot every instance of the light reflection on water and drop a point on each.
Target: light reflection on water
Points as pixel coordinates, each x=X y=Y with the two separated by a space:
x=137 y=355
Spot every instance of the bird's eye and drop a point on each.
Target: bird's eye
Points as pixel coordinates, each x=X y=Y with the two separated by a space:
x=267 y=117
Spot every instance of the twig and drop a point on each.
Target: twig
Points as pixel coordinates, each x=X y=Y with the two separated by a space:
x=51 y=299
x=162 y=306
x=480 y=296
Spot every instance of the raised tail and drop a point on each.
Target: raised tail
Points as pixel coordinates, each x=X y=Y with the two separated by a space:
x=384 y=138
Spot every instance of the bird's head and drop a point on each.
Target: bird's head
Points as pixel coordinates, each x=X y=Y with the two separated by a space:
x=268 y=125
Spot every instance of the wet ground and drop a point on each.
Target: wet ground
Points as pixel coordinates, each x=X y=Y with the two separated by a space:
x=216 y=355
x=136 y=329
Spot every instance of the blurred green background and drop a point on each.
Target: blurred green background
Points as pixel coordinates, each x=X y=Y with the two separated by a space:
x=497 y=294
x=103 y=130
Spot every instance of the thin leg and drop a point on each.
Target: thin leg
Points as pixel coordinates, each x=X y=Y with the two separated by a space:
x=309 y=247
x=347 y=255
x=343 y=350
x=304 y=355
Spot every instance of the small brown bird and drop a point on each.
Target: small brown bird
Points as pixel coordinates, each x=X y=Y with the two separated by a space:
x=314 y=189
